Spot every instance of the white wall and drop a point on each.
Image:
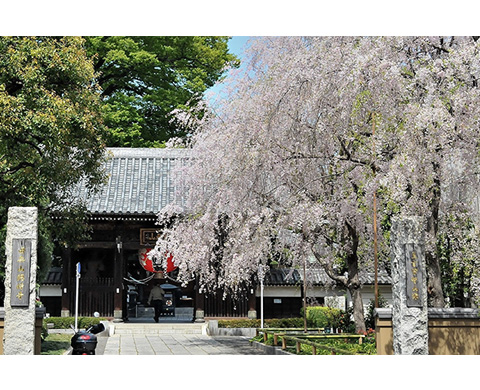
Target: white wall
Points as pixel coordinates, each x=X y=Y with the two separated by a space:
x=50 y=291
x=368 y=293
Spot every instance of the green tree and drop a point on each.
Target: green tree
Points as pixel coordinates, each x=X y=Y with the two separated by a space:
x=51 y=133
x=144 y=79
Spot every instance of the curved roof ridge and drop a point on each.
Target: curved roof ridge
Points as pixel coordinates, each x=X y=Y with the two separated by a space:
x=148 y=152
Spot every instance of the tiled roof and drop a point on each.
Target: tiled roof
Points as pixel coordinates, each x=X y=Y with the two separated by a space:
x=54 y=276
x=139 y=183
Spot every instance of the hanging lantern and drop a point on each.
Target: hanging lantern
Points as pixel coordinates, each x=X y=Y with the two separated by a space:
x=170 y=264
x=155 y=266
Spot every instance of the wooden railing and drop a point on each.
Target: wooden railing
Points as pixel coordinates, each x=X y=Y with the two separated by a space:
x=299 y=336
x=278 y=331
x=310 y=341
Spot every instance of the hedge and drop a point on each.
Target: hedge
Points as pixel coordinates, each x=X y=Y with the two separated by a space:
x=267 y=323
x=69 y=322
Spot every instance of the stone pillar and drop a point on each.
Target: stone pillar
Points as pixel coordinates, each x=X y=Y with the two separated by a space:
x=20 y=281
x=66 y=282
x=118 y=280
x=199 y=304
x=409 y=289
x=252 y=304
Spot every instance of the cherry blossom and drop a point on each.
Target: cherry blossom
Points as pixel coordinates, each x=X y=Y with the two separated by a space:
x=287 y=165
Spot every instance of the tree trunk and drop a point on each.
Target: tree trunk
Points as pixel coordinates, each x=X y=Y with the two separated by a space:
x=434 y=285
x=434 y=281
x=358 y=316
x=354 y=286
x=353 y=283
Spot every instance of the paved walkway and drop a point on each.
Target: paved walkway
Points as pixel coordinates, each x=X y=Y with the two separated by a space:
x=148 y=338
x=175 y=344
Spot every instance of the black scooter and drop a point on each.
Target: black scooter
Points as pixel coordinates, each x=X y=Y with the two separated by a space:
x=85 y=342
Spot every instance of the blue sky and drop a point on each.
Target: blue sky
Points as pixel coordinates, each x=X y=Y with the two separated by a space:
x=236 y=46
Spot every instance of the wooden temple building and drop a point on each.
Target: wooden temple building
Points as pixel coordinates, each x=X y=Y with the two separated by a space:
x=114 y=279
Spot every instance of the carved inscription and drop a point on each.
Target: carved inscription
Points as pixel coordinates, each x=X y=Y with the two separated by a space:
x=21 y=254
x=148 y=236
x=414 y=273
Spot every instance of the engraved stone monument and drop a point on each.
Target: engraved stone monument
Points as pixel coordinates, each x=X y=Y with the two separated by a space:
x=20 y=281
x=409 y=289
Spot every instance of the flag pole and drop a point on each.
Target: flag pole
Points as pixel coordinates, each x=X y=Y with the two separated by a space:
x=375 y=250
x=76 y=295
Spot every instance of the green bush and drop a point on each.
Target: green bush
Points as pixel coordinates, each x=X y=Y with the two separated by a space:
x=69 y=322
x=369 y=317
x=238 y=323
x=329 y=317
x=56 y=344
x=267 y=323
x=284 y=323
x=44 y=333
x=341 y=348
x=323 y=317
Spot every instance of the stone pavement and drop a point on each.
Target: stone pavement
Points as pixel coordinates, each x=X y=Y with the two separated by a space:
x=175 y=344
x=171 y=339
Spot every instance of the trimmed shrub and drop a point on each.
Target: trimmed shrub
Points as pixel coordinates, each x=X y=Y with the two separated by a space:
x=69 y=322
x=239 y=323
x=267 y=323
x=284 y=323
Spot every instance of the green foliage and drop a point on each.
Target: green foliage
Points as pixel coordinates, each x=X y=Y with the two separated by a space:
x=369 y=317
x=56 y=344
x=239 y=323
x=284 y=323
x=51 y=133
x=267 y=323
x=341 y=346
x=145 y=78
x=68 y=322
x=456 y=250
x=327 y=317
x=351 y=347
x=44 y=332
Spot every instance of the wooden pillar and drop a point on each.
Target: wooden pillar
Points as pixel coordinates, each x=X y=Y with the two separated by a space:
x=118 y=280
x=66 y=281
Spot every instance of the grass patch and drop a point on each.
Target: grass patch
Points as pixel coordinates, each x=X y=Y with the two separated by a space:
x=56 y=344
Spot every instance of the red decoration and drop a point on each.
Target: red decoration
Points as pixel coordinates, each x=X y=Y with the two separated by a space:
x=150 y=266
x=170 y=264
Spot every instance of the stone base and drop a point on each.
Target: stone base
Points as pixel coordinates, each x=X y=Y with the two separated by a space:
x=252 y=315
x=409 y=289
x=199 y=316
x=118 y=314
x=65 y=313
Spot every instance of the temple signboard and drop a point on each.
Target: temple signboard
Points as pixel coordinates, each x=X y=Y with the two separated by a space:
x=414 y=274
x=21 y=255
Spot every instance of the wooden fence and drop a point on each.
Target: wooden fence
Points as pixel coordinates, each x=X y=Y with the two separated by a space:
x=95 y=295
x=217 y=306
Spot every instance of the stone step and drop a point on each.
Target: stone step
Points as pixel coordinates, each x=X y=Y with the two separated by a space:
x=184 y=314
x=150 y=311
x=160 y=328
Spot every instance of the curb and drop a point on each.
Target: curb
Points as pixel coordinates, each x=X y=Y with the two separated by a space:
x=269 y=349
